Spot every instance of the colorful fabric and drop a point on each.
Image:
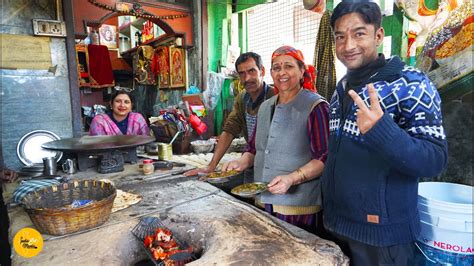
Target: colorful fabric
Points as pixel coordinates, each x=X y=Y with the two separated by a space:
x=102 y=124
x=317 y=130
x=122 y=125
x=309 y=75
x=324 y=57
x=100 y=67
x=370 y=181
x=26 y=187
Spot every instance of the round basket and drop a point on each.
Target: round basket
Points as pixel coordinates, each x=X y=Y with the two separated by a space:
x=46 y=207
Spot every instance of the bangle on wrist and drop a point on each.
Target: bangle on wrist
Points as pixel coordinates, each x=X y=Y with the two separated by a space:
x=301 y=174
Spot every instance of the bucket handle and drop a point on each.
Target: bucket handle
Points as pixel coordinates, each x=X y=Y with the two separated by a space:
x=432 y=261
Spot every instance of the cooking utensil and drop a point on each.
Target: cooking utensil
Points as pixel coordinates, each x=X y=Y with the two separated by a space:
x=202 y=146
x=29 y=148
x=33 y=168
x=249 y=190
x=221 y=177
x=167 y=174
x=30 y=174
x=98 y=143
x=175 y=136
x=152 y=148
x=165 y=151
x=69 y=166
x=50 y=166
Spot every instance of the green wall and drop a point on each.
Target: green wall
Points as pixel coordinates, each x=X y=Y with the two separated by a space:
x=217 y=29
x=393 y=26
x=245 y=4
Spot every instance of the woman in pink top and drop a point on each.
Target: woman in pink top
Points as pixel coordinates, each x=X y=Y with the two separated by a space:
x=120 y=120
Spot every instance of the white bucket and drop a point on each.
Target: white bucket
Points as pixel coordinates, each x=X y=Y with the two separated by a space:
x=446 y=215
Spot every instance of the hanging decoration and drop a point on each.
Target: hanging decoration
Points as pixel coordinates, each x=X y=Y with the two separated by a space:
x=136 y=10
x=440 y=40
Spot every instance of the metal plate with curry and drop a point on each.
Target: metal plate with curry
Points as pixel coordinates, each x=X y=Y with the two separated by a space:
x=221 y=177
x=249 y=190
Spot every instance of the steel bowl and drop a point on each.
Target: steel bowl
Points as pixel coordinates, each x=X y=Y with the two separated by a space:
x=202 y=146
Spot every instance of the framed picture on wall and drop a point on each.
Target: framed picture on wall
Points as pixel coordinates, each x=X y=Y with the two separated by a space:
x=162 y=54
x=177 y=67
x=108 y=36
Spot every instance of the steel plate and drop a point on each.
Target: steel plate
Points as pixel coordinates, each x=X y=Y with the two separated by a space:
x=221 y=177
x=249 y=190
x=29 y=148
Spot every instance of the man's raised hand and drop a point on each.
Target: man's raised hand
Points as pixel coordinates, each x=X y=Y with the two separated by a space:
x=367 y=117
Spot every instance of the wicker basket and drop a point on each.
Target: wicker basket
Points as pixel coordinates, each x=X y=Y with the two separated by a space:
x=46 y=206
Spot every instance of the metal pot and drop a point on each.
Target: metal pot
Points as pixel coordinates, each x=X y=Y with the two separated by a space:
x=202 y=146
x=152 y=148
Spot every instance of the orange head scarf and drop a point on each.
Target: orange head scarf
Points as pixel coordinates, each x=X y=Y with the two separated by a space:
x=309 y=75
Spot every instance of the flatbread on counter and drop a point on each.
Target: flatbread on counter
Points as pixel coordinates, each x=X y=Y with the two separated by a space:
x=124 y=200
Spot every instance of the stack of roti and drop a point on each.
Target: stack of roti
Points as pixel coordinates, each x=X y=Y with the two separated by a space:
x=124 y=200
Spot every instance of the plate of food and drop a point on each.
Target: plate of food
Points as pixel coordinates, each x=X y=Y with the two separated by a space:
x=249 y=190
x=221 y=177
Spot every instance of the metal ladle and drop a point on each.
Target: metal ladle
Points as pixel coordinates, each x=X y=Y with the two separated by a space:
x=175 y=136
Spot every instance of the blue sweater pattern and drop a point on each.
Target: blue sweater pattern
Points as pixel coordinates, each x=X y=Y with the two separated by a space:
x=412 y=100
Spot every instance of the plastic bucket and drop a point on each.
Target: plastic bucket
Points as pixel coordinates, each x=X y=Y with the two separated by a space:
x=446 y=215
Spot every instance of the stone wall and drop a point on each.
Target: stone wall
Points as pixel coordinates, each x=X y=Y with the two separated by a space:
x=458 y=123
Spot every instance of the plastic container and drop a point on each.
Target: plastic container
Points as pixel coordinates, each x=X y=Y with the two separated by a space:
x=148 y=167
x=446 y=216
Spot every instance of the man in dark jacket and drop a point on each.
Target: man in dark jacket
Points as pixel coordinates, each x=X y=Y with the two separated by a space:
x=385 y=132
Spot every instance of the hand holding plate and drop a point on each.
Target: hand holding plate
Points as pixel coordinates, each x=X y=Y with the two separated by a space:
x=280 y=184
x=232 y=165
x=197 y=171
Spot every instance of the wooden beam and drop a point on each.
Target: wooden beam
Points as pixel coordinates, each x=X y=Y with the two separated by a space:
x=72 y=69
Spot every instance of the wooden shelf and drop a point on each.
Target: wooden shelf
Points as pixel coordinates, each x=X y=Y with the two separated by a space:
x=154 y=42
x=130 y=25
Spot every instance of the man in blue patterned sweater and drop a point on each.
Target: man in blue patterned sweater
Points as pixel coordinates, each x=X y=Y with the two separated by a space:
x=385 y=132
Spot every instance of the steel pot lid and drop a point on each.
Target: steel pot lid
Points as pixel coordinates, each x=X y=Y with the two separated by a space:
x=29 y=149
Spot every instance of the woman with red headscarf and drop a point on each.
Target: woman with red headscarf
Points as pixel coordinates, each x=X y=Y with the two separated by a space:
x=289 y=145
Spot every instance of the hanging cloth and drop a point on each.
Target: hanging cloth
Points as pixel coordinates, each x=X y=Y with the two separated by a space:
x=100 y=66
x=324 y=60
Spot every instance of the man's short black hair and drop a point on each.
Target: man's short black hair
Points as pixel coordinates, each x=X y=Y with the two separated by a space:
x=246 y=56
x=369 y=11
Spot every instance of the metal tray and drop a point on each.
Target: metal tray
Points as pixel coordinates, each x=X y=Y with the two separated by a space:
x=29 y=148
